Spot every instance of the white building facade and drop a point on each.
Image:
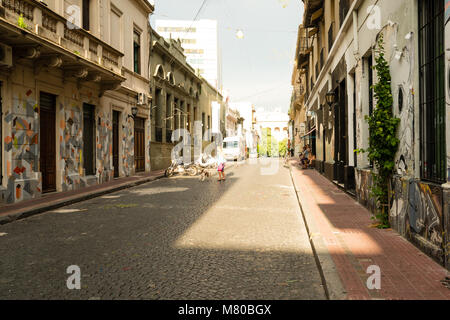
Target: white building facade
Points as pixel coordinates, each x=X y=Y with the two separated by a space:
x=247 y=111
x=199 y=40
x=276 y=121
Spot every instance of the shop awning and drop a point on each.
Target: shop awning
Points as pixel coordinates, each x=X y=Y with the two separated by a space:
x=309 y=133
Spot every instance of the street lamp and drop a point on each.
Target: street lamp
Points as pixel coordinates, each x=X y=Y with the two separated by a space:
x=134 y=112
x=330 y=97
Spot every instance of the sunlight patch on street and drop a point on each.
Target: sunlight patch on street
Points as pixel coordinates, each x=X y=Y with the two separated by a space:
x=151 y=191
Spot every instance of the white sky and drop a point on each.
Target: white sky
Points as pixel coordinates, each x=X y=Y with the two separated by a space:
x=257 y=68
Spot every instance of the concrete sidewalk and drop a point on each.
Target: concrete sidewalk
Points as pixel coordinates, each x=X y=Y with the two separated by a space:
x=346 y=244
x=12 y=212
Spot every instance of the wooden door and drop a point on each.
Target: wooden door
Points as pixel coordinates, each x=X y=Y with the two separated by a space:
x=89 y=139
x=116 y=116
x=48 y=142
x=139 y=144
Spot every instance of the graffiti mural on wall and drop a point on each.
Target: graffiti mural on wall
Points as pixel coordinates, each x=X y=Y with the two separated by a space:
x=399 y=204
x=403 y=76
x=147 y=148
x=22 y=148
x=104 y=147
x=71 y=144
x=363 y=179
x=425 y=211
x=447 y=10
x=127 y=146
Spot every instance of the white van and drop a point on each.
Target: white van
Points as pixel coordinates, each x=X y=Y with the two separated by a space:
x=234 y=148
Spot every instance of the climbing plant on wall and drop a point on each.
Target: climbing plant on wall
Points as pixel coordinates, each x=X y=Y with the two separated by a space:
x=383 y=141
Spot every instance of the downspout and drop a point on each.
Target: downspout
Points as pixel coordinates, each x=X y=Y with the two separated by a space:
x=355 y=34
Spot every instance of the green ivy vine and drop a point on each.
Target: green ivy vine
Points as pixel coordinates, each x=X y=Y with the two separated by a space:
x=383 y=141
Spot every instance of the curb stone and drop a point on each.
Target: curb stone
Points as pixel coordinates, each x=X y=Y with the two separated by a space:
x=27 y=212
x=334 y=286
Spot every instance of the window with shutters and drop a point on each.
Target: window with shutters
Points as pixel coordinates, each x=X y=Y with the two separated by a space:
x=432 y=90
x=89 y=139
x=137 y=51
x=116 y=28
x=86 y=15
x=1 y=131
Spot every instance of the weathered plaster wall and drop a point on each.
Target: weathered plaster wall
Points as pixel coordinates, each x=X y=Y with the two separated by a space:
x=127 y=146
x=105 y=170
x=71 y=145
x=22 y=145
x=363 y=183
x=22 y=134
x=70 y=128
x=417 y=212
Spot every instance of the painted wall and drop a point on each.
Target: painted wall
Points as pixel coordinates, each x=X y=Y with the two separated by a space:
x=447 y=63
x=22 y=134
x=21 y=152
x=419 y=211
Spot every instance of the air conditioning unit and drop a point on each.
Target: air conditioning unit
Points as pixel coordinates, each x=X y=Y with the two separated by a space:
x=142 y=99
x=5 y=55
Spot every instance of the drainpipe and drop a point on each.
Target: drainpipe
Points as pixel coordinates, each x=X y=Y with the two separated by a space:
x=355 y=33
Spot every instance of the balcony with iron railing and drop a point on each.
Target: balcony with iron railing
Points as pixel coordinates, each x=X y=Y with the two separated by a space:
x=305 y=48
x=37 y=19
x=298 y=95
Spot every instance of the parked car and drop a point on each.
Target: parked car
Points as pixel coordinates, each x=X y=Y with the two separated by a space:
x=234 y=148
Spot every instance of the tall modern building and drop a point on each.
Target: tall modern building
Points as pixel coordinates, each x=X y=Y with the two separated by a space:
x=199 y=40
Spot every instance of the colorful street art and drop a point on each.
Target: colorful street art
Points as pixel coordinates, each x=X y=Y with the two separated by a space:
x=127 y=146
x=425 y=211
x=147 y=147
x=399 y=204
x=71 y=147
x=447 y=10
x=22 y=148
x=363 y=186
x=105 y=170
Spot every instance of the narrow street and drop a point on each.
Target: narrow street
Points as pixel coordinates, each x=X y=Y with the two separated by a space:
x=175 y=238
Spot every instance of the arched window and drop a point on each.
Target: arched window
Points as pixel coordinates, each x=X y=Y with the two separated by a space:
x=159 y=72
x=171 y=78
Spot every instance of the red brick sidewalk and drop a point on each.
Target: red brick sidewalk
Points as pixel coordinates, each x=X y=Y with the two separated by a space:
x=52 y=201
x=343 y=225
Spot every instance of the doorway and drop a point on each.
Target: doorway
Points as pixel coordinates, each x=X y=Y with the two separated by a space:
x=47 y=160
x=139 y=144
x=89 y=139
x=116 y=117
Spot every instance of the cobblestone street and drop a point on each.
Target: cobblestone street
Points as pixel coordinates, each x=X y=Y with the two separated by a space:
x=175 y=238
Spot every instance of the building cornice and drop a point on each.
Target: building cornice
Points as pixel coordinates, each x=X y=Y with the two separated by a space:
x=339 y=38
x=161 y=49
x=145 y=4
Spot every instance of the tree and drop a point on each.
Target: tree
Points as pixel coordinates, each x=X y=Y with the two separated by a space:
x=268 y=145
x=283 y=147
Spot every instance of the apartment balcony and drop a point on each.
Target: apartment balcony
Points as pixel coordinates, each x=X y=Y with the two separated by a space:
x=36 y=32
x=304 y=50
x=298 y=96
x=313 y=11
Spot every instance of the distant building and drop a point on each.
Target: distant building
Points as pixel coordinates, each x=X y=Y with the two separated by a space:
x=276 y=121
x=199 y=40
x=247 y=112
x=232 y=121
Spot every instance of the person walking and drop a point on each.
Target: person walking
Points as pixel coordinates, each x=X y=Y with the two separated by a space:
x=221 y=165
